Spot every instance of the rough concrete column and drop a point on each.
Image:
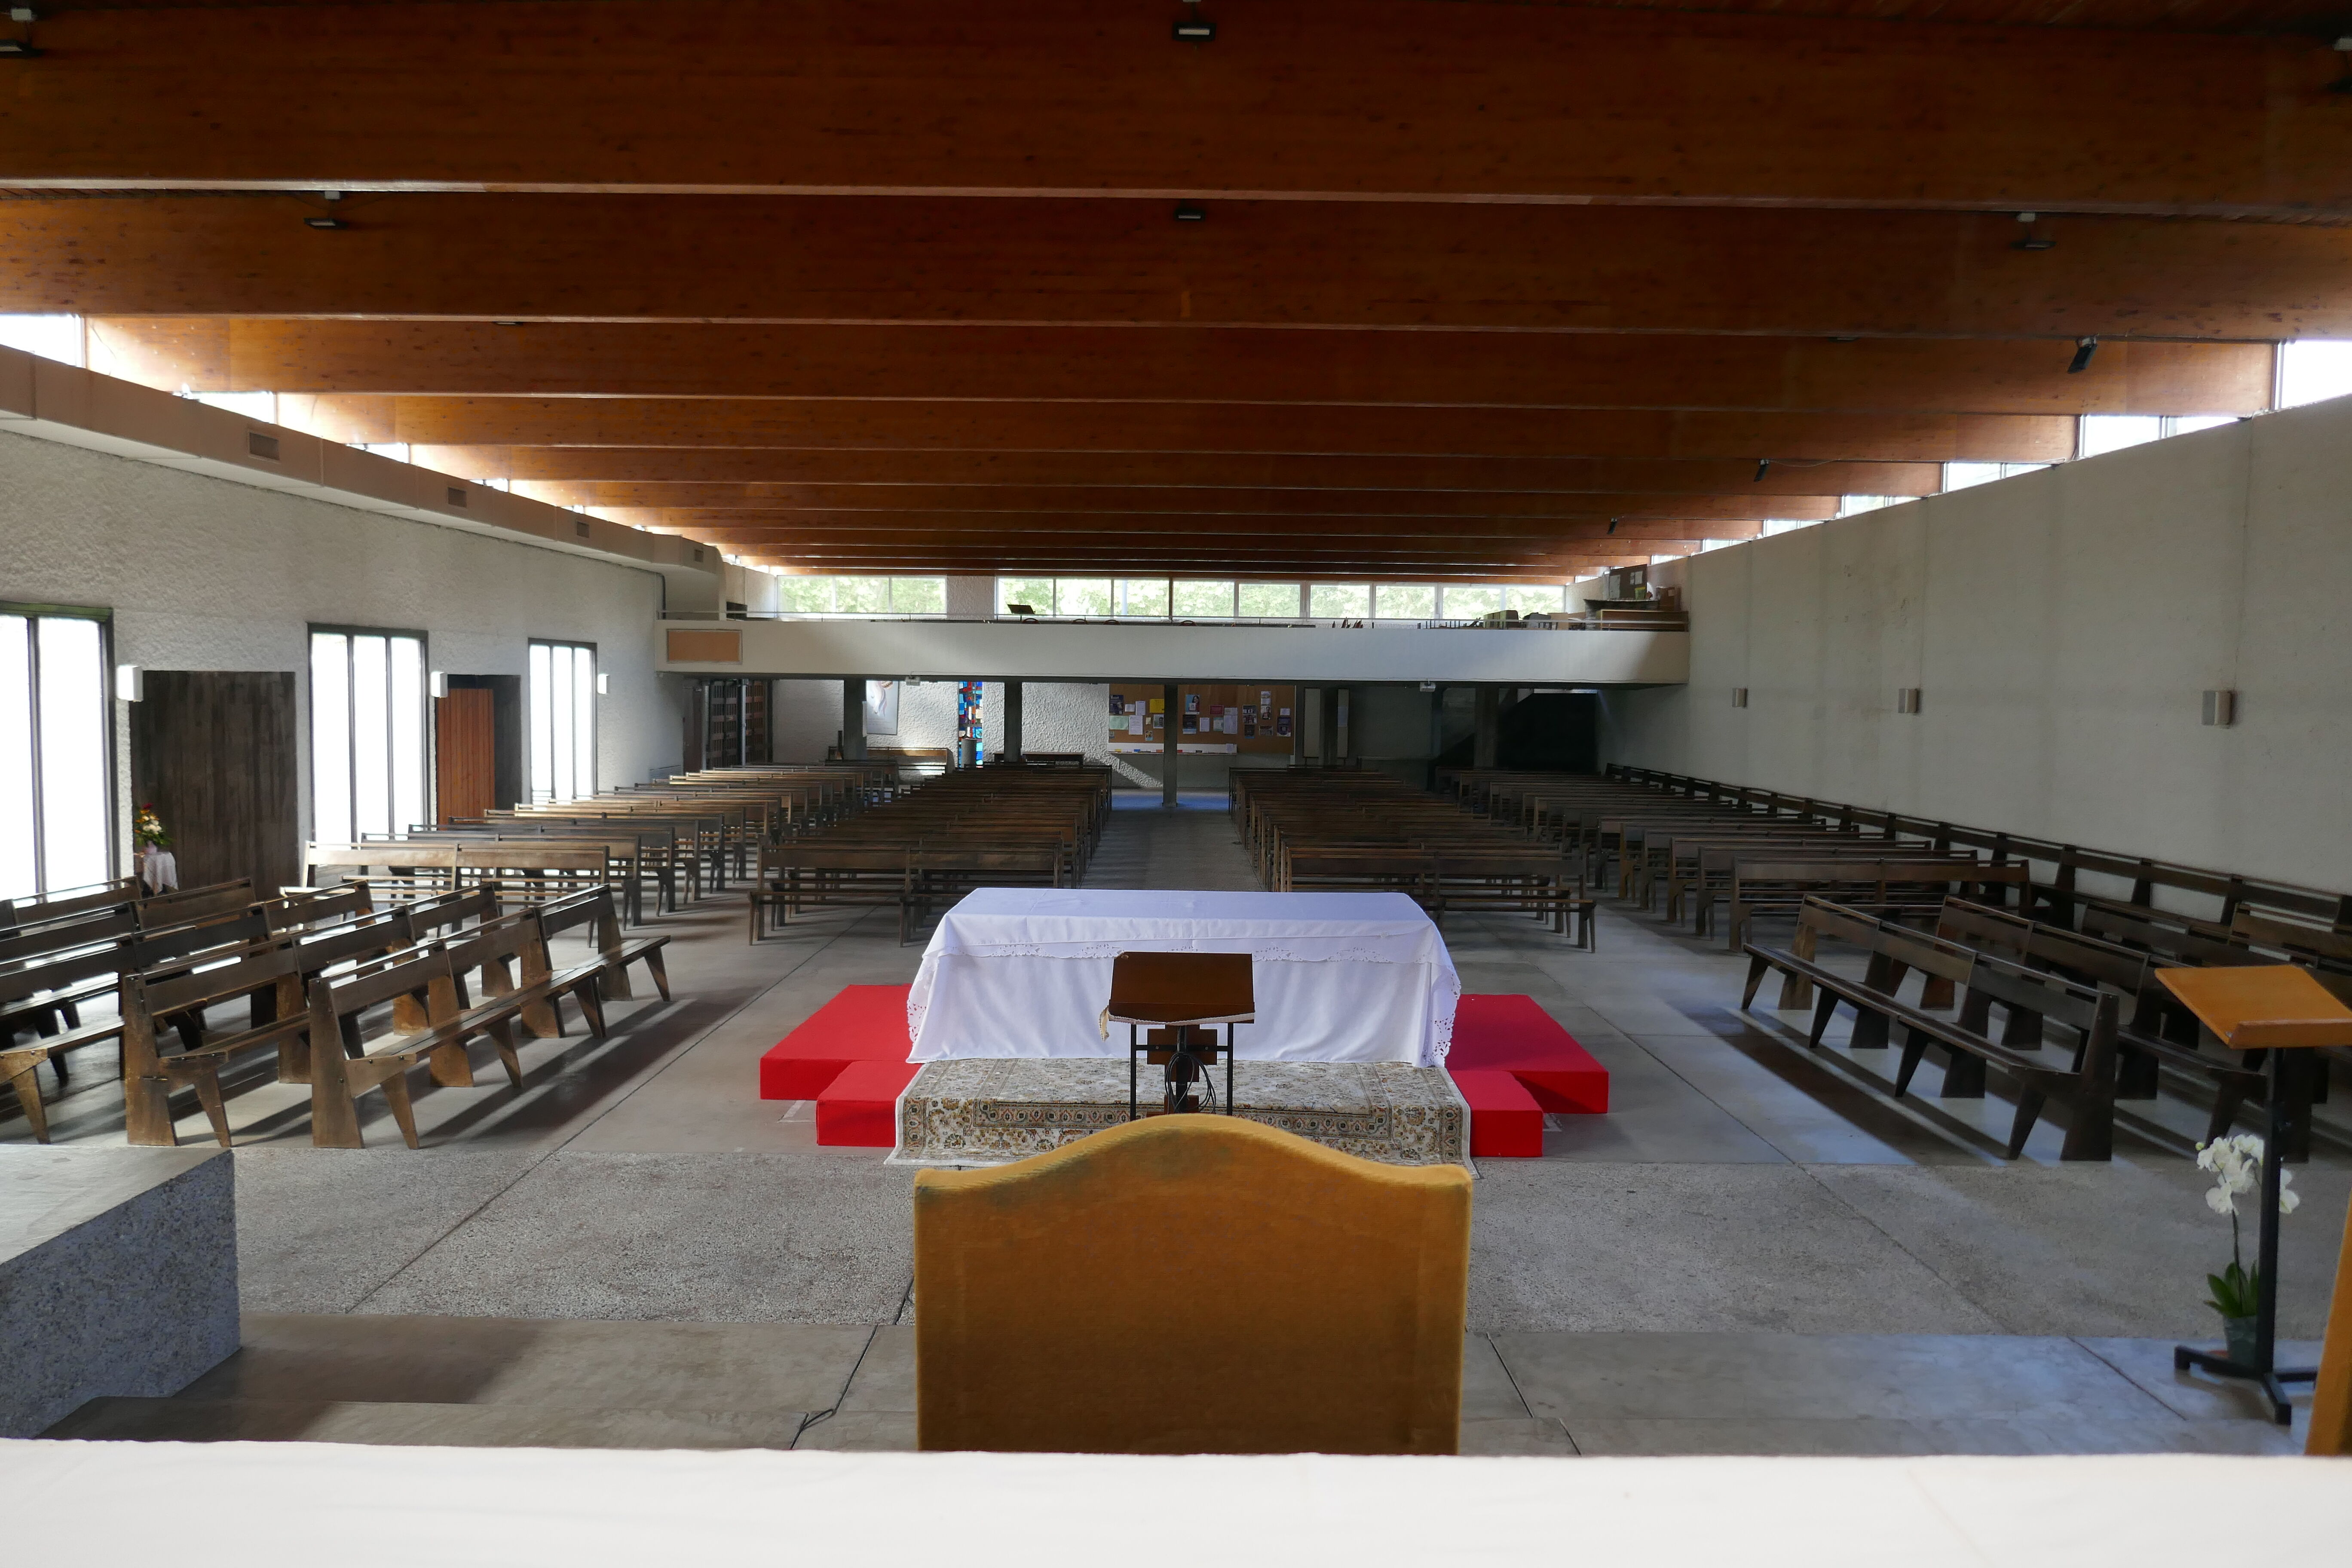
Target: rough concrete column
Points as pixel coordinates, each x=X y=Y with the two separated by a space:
x=1328 y=742
x=1489 y=731
x=853 y=719
x=1011 y=720
x=1171 y=722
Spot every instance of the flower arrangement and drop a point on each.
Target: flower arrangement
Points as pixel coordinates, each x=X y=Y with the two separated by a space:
x=2237 y=1166
x=148 y=828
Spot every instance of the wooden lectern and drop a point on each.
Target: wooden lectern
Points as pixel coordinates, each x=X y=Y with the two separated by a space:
x=1178 y=999
x=2280 y=1009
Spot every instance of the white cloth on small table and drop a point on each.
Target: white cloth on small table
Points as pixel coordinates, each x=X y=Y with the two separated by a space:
x=1339 y=977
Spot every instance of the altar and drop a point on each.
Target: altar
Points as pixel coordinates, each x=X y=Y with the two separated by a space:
x=1339 y=977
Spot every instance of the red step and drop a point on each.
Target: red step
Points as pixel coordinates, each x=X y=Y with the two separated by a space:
x=850 y=1056
x=1512 y=1062
x=859 y=1108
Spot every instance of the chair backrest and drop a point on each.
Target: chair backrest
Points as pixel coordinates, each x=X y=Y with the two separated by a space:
x=298 y=908
x=41 y=909
x=450 y=911
x=1065 y=1303
x=336 y=1003
x=185 y=904
x=98 y=926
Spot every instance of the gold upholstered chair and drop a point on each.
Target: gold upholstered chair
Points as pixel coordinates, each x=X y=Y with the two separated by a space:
x=1192 y=1284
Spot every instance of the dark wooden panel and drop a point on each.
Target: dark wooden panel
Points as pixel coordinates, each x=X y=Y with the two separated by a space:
x=215 y=753
x=505 y=701
x=465 y=753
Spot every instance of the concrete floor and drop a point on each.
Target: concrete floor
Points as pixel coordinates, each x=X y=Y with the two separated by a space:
x=1755 y=1251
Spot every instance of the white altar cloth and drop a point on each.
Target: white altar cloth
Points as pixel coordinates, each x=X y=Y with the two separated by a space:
x=1339 y=977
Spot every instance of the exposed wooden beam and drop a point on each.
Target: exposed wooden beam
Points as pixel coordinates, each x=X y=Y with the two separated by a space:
x=595 y=476
x=1095 y=364
x=1314 y=99
x=886 y=428
x=1075 y=506
x=897 y=260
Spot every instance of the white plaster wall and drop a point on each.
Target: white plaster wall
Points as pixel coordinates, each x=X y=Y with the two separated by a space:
x=2062 y=626
x=202 y=573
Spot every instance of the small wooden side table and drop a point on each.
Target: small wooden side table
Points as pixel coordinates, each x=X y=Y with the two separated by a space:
x=2279 y=1009
x=1177 y=997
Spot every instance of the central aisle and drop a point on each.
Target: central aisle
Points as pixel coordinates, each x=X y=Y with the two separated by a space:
x=1149 y=846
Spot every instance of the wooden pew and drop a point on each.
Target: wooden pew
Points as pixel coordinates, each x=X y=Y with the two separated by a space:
x=1766 y=885
x=2085 y=1091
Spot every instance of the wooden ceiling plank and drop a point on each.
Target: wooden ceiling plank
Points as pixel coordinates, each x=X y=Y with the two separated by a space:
x=1315 y=100
x=1761 y=270
x=1087 y=364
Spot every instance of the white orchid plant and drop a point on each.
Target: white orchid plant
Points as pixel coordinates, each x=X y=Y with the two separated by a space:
x=2237 y=1166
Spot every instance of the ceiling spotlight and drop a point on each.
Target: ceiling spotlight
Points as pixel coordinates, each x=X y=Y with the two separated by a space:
x=1190 y=212
x=2084 y=349
x=321 y=220
x=1763 y=467
x=1613 y=524
x=18 y=50
x=1195 y=32
x=2032 y=241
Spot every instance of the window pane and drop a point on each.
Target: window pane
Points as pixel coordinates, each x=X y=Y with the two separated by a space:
x=1204 y=599
x=1463 y=600
x=73 y=715
x=2113 y=432
x=804 y=595
x=1037 y=593
x=2188 y=423
x=1405 y=601
x=1342 y=599
x=2314 y=369
x=1961 y=476
x=408 y=809
x=584 y=721
x=1538 y=598
x=1144 y=596
x=559 y=718
x=861 y=596
x=51 y=337
x=1270 y=601
x=18 y=876
x=542 y=725
x=1081 y=597
x=370 y=738
x=919 y=595
x=330 y=738
x=1848 y=506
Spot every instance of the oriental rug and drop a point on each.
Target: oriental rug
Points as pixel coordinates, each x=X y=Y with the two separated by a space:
x=989 y=1110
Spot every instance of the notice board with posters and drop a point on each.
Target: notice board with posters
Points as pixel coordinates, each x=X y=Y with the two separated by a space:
x=1237 y=718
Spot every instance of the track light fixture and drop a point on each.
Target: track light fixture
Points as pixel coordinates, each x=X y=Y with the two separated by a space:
x=1763 y=467
x=21 y=48
x=2084 y=349
x=1613 y=524
x=2343 y=83
x=2032 y=241
x=327 y=219
x=1193 y=30
x=1190 y=212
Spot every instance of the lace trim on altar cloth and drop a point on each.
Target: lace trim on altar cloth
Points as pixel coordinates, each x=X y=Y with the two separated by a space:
x=1273 y=952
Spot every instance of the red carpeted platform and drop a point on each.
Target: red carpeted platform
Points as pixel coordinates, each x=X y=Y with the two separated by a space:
x=1512 y=1063
x=850 y=1056
x=1510 y=1060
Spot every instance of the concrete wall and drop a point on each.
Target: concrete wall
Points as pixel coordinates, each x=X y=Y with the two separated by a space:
x=2061 y=627
x=202 y=573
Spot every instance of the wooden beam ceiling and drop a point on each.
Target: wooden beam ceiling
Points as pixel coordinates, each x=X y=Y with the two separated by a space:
x=1208 y=364
x=1478 y=289
x=1318 y=99
x=1760 y=270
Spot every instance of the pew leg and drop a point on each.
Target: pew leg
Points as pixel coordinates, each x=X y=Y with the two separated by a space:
x=1915 y=1046
x=2135 y=1074
x=403 y=1112
x=591 y=1006
x=334 y=1118
x=206 y=1083
x=2023 y=1030
x=1870 y=1030
x=28 y=1095
x=502 y=1037
x=658 y=969
x=1756 y=969
x=1936 y=993
x=2090 y=1129
x=451 y=1069
x=2228 y=1097
x=1795 y=990
x=1964 y=1076
x=147 y=1113
x=1824 y=1011
x=2029 y=1111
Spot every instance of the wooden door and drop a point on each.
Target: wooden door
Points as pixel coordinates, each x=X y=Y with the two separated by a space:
x=465 y=749
x=213 y=751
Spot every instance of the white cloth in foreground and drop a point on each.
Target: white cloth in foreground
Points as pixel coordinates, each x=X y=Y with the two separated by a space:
x=1339 y=977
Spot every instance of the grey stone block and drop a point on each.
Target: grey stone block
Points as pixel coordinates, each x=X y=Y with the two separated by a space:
x=118 y=1276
